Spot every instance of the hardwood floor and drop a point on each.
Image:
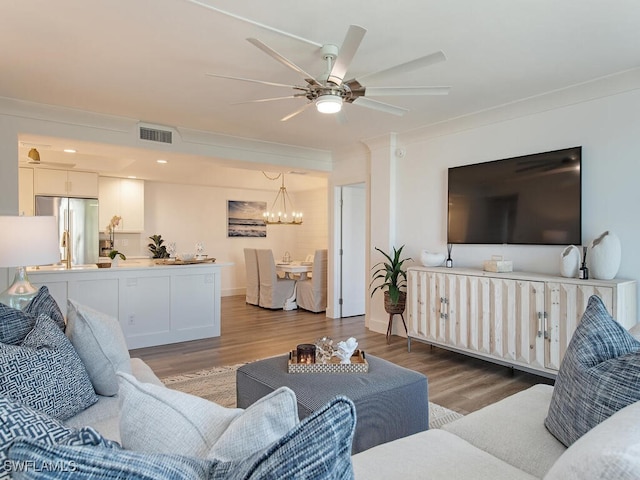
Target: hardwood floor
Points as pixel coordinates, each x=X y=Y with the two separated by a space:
x=249 y=333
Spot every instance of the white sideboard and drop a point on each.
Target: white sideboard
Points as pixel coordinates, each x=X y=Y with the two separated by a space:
x=523 y=320
x=155 y=305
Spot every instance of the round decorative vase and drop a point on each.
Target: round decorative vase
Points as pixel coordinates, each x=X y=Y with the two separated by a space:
x=429 y=259
x=570 y=261
x=395 y=307
x=605 y=256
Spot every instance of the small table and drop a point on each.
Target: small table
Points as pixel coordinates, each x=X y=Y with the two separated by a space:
x=391 y=401
x=294 y=268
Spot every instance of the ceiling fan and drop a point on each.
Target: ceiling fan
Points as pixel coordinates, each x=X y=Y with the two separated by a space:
x=330 y=91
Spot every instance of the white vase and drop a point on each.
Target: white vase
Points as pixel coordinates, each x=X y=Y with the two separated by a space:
x=570 y=261
x=429 y=259
x=114 y=261
x=605 y=255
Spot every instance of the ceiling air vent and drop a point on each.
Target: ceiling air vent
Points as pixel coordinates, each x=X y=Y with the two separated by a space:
x=155 y=135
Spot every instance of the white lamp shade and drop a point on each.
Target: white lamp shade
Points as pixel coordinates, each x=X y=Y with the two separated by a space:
x=27 y=241
x=329 y=103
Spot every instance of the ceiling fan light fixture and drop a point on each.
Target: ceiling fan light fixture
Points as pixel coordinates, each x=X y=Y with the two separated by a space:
x=329 y=103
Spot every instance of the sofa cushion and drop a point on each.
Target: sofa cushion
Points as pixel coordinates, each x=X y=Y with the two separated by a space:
x=318 y=448
x=599 y=375
x=45 y=372
x=101 y=345
x=44 y=304
x=160 y=420
x=20 y=421
x=503 y=428
x=610 y=450
x=434 y=454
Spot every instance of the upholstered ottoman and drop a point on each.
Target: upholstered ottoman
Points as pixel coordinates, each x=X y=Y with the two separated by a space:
x=391 y=401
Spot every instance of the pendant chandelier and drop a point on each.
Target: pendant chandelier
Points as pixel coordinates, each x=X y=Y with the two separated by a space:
x=282 y=211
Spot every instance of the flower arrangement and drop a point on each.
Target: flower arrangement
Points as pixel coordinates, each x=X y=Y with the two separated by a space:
x=111 y=233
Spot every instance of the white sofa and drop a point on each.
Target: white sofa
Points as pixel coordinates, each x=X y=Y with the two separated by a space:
x=508 y=440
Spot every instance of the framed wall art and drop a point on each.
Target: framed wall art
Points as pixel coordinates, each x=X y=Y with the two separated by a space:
x=244 y=219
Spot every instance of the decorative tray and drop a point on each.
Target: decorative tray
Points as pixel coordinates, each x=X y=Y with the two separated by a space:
x=358 y=364
x=167 y=261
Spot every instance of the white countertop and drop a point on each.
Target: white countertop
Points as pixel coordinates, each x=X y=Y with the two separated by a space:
x=136 y=264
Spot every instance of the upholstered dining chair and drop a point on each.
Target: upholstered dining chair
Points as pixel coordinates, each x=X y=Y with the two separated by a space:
x=311 y=293
x=274 y=291
x=253 y=280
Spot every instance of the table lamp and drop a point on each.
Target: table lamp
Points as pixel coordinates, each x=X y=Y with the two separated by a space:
x=26 y=241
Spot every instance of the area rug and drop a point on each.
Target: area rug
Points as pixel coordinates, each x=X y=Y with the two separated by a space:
x=219 y=385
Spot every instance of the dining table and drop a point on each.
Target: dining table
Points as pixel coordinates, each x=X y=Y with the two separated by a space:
x=295 y=268
x=290 y=269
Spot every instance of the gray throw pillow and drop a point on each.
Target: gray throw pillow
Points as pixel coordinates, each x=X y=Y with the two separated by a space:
x=318 y=448
x=44 y=304
x=101 y=345
x=599 y=375
x=157 y=419
x=45 y=372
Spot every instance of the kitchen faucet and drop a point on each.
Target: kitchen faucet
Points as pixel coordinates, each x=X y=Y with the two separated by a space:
x=66 y=244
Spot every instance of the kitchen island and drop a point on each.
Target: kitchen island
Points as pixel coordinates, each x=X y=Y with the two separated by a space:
x=155 y=304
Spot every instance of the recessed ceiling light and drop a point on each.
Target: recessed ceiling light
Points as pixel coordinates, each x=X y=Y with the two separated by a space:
x=161 y=161
x=132 y=176
x=69 y=150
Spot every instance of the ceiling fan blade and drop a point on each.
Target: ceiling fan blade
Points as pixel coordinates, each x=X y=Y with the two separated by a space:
x=267 y=99
x=262 y=82
x=257 y=24
x=347 y=51
x=285 y=61
x=380 y=106
x=300 y=110
x=409 y=66
x=400 y=91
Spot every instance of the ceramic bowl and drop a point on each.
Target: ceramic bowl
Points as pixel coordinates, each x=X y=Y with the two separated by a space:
x=185 y=257
x=430 y=259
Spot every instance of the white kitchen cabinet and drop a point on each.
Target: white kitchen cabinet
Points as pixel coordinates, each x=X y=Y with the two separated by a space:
x=517 y=319
x=67 y=183
x=25 y=191
x=155 y=304
x=123 y=197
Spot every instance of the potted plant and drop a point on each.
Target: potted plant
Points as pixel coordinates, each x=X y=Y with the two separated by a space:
x=394 y=280
x=156 y=248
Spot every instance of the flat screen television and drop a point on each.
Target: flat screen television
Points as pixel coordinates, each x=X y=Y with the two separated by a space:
x=529 y=200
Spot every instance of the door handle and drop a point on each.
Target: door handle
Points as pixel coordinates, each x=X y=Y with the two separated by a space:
x=547 y=335
x=539 y=324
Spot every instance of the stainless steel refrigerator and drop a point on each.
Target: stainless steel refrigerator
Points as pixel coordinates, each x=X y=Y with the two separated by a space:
x=78 y=217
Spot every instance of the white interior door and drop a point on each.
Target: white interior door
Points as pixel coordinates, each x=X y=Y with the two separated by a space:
x=353 y=288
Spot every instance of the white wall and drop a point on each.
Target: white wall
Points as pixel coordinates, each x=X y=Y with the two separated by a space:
x=186 y=214
x=607 y=128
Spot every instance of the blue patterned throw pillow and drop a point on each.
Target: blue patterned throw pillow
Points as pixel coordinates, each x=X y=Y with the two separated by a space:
x=599 y=375
x=20 y=421
x=317 y=448
x=44 y=304
x=14 y=325
x=45 y=372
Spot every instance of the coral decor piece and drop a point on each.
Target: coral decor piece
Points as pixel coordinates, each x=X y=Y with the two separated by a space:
x=345 y=350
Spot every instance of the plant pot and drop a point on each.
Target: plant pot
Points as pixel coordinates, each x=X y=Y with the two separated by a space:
x=395 y=308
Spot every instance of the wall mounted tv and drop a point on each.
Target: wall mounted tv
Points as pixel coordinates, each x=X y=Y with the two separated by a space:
x=529 y=200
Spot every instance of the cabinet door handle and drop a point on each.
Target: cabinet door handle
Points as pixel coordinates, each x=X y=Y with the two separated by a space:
x=539 y=324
